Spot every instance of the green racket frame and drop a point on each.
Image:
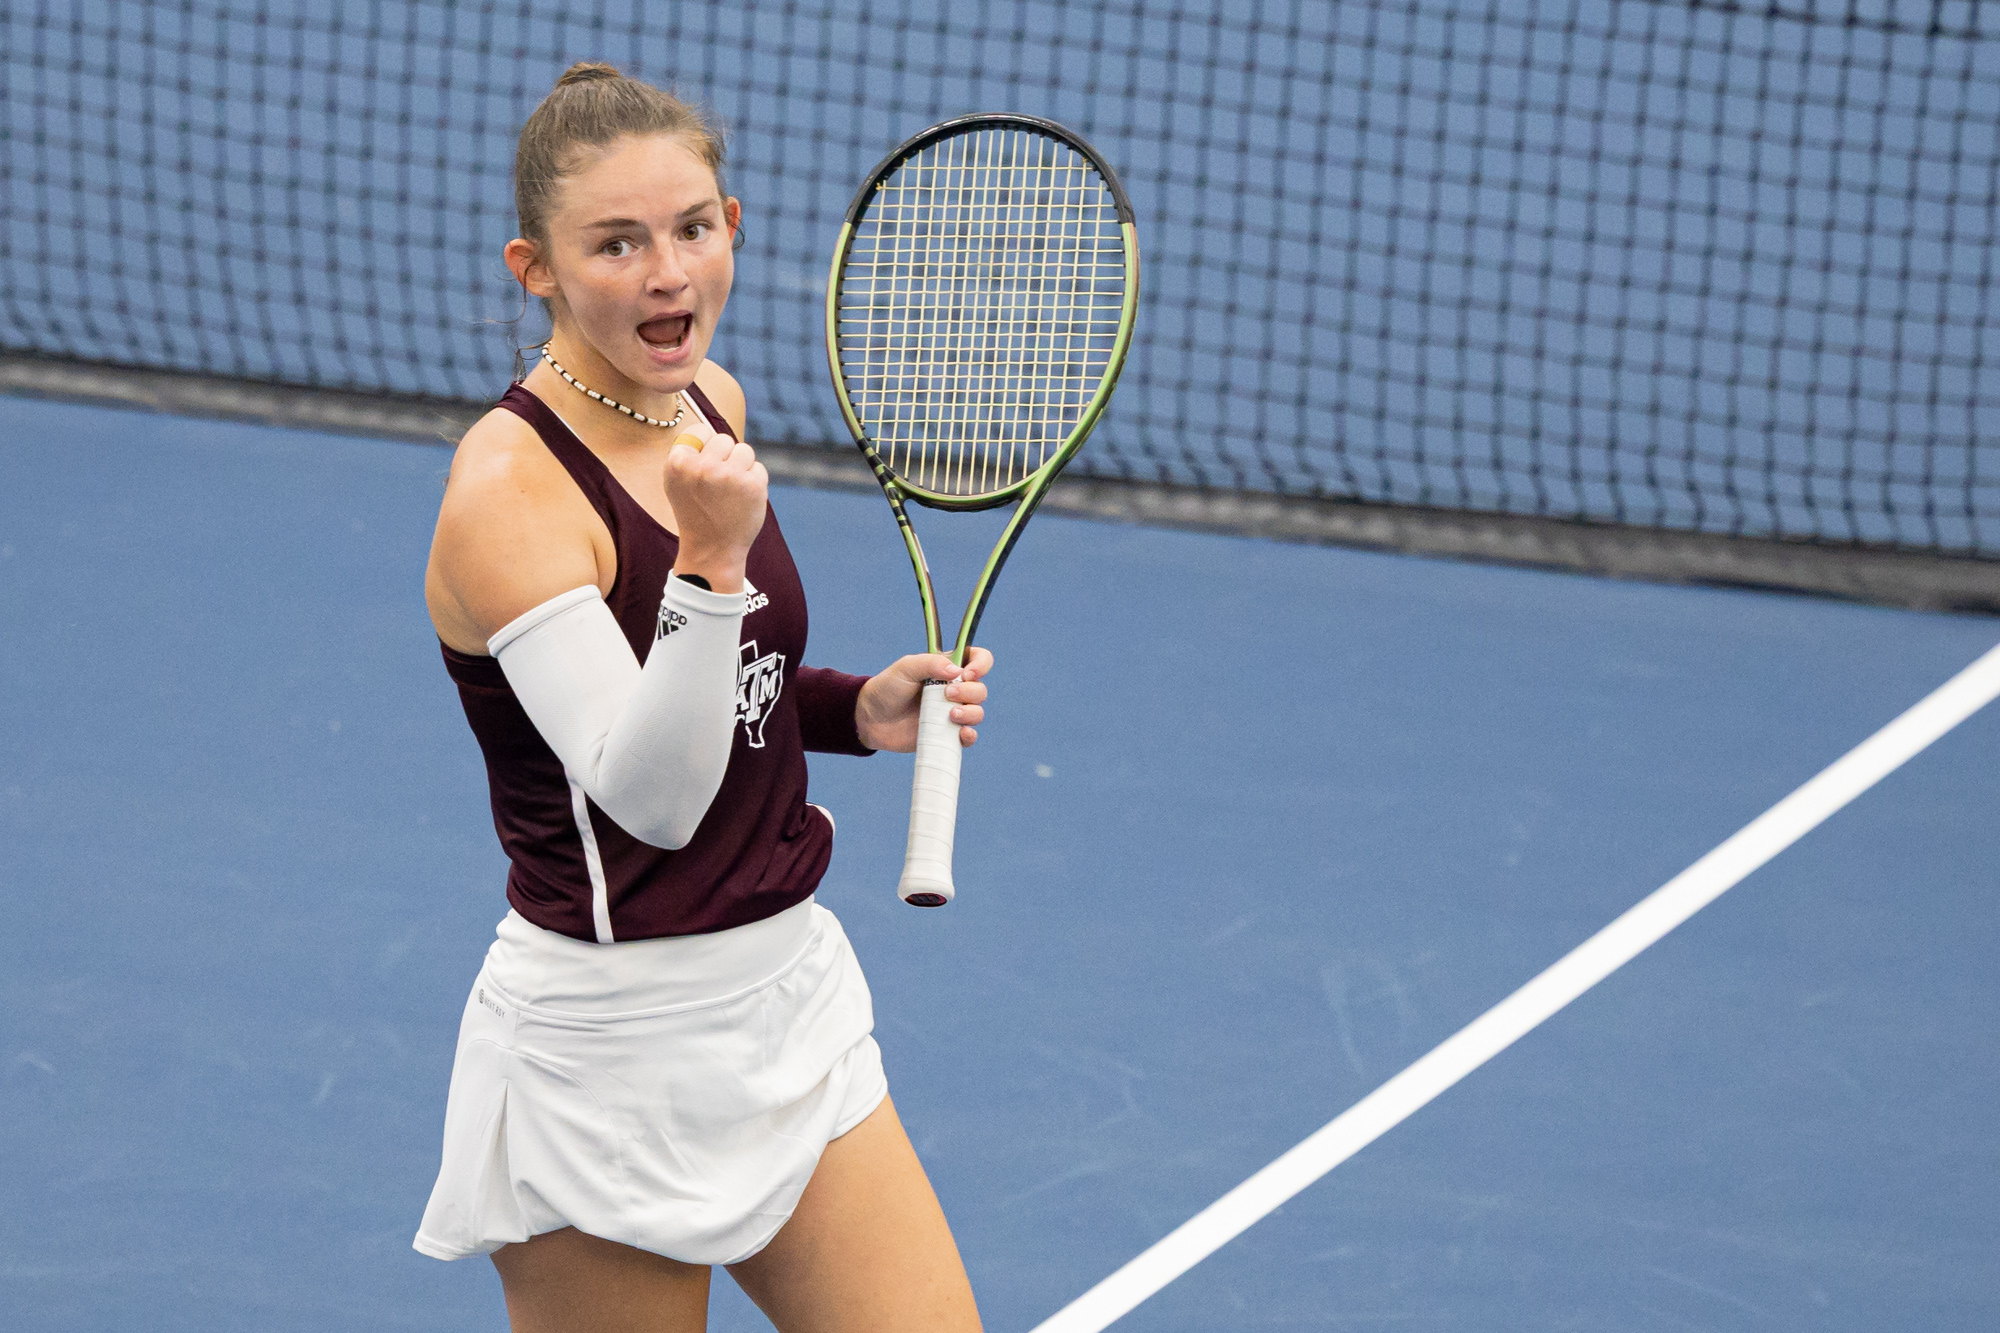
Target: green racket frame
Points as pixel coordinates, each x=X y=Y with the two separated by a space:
x=1030 y=489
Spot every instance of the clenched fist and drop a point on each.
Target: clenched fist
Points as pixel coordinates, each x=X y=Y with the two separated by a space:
x=718 y=492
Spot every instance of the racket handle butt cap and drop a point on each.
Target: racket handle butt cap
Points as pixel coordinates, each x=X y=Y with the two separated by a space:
x=926 y=878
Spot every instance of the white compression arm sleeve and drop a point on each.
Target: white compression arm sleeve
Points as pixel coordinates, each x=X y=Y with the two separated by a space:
x=649 y=746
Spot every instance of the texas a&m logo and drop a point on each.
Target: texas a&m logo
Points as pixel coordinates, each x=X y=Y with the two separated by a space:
x=758 y=684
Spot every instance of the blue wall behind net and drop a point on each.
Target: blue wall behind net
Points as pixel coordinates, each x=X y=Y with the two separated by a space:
x=1710 y=266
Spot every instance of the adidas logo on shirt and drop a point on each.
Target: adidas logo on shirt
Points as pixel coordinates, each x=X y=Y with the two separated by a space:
x=752 y=599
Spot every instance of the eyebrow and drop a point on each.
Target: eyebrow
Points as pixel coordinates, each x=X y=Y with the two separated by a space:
x=619 y=224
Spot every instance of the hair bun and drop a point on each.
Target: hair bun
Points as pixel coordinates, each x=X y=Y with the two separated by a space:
x=587 y=71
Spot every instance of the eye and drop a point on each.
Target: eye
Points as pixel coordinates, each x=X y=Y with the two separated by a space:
x=617 y=247
x=695 y=231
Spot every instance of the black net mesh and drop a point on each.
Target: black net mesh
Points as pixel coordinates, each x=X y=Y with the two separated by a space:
x=1723 y=267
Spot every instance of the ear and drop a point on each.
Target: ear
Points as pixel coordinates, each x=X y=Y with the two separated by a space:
x=524 y=261
x=732 y=214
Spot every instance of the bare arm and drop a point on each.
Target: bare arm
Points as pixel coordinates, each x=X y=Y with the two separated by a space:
x=513 y=532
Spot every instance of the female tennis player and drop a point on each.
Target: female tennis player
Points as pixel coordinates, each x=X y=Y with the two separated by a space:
x=666 y=1061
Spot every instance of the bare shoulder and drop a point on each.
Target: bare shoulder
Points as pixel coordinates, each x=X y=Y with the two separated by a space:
x=513 y=531
x=727 y=395
x=504 y=477
x=500 y=454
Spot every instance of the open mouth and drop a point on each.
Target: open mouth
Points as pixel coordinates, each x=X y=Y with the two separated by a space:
x=667 y=332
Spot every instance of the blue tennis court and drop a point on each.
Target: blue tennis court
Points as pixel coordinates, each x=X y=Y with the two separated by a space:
x=1253 y=827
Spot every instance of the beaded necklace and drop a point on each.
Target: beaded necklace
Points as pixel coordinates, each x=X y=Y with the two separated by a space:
x=588 y=392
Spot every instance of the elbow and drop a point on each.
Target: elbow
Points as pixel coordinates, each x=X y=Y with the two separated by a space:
x=669 y=830
x=662 y=804
x=671 y=835
x=667 y=811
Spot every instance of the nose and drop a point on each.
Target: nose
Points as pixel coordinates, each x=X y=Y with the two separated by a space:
x=666 y=275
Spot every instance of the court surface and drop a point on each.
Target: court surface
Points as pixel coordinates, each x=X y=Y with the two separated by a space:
x=1252 y=828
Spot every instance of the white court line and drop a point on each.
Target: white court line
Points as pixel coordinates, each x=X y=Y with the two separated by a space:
x=1506 y=1022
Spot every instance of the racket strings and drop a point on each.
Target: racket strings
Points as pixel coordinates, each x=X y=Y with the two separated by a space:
x=979 y=307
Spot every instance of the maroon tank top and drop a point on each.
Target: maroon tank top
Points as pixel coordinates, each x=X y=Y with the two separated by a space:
x=761 y=848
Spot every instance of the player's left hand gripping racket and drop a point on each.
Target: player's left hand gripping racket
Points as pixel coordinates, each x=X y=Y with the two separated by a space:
x=979 y=310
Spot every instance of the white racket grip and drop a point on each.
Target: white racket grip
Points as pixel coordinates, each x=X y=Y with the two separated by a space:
x=933 y=804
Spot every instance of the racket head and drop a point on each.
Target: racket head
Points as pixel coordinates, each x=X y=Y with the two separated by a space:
x=980 y=307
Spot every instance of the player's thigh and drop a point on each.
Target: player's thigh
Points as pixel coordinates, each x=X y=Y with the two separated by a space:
x=568 y=1282
x=867 y=1249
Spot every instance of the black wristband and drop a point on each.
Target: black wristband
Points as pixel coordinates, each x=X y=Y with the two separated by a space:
x=697 y=580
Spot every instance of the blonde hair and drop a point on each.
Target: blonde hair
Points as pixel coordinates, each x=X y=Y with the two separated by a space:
x=591 y=106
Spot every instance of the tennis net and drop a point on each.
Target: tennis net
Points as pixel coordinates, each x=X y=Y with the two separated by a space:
x=1703 y=267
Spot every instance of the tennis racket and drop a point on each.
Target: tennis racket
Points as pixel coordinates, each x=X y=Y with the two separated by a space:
x=979 y=310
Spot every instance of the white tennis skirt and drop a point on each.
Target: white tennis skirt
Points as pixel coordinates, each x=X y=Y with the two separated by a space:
x=670 y=1094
